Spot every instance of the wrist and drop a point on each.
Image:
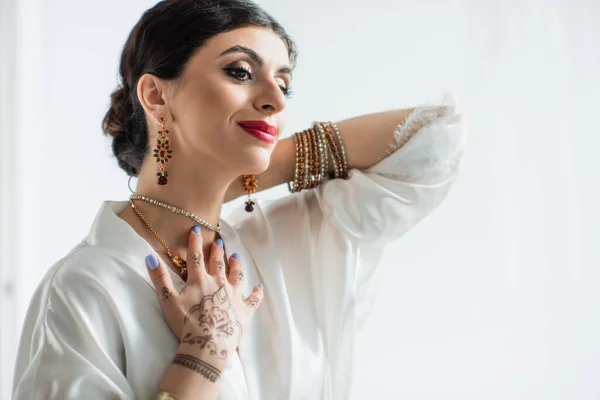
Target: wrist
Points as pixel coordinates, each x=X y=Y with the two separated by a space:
x=216 y=357
x=194 y=371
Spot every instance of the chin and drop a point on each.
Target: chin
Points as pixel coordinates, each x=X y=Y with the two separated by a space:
x=258 y=161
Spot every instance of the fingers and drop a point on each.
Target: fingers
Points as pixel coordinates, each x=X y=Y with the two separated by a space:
x=216 y=263
x=160 y=277
x=255 y=297
x=236 y=275
x=195 y=259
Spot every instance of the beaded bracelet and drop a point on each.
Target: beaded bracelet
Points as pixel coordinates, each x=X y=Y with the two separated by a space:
x=315 y=168
x=324 y=161
x=306 y=161
x=313 y=147
x=344 y=172
x=291 y=186
x=315 y=162
x=322 y=127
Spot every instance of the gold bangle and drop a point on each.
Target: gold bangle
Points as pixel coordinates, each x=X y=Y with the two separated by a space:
x=328 y=141
x=307 y=160
x=162 y=395
x=314 y=162
x=313 y=148
x=344 y=172
x=293 y=185
x=323 y=159
x=321 y=155
x=299 y=164
x=336 y=157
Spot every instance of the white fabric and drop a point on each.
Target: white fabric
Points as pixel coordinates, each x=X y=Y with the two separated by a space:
x=94 y=328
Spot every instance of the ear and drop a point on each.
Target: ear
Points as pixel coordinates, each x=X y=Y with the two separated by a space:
x=151 y=92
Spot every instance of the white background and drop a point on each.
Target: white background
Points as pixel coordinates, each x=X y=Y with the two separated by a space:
x=494 y=296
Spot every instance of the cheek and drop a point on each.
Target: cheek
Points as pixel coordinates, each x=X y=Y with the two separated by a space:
x=209 y=108
x=280 y=121
x=220 y=99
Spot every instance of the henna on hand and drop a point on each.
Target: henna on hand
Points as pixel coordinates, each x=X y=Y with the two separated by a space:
x=195 y=364
x=196 y=259
x=217 y=320
x=166 y=295
x=239 y=278
x=205 y=342
x=220 y=265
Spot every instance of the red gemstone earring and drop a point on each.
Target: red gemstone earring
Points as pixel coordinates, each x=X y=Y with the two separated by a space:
x=163 y=151
x=250 y=184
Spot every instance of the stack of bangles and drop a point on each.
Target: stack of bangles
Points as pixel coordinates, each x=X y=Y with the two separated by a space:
x=314 y=149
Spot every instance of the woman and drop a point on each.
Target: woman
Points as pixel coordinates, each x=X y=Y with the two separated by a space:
x=204 y=86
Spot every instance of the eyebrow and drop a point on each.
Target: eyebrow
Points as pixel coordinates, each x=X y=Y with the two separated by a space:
x=255 y=57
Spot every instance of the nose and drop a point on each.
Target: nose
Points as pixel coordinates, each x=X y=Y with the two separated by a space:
x=271 y=99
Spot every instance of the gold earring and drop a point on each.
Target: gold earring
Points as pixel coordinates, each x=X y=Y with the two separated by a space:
x=250 y=184
x=163 y=151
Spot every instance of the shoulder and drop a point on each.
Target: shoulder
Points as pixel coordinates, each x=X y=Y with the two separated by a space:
x=68 y=296
x=83 y=262
x=73 y=323
x=83 y=277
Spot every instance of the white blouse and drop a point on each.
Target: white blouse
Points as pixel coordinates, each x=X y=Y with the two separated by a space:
x=94 y=328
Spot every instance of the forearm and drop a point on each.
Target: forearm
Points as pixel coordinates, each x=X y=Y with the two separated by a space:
x=194 y=374
x=366 y=139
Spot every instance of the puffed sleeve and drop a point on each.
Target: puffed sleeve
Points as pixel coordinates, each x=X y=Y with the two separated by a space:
x=71 y=346
x=374 y=207
x=318 y=251
x=412 y=178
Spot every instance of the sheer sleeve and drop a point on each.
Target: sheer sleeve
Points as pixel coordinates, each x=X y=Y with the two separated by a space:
x=412 y=178
x=318 y=251
x=378 y=205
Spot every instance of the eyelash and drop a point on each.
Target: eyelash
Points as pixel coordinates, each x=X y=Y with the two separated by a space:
x=233 y=71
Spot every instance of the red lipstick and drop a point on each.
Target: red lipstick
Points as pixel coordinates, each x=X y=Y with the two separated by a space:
x=260 y=129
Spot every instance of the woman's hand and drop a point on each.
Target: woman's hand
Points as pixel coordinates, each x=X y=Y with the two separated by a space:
x=210 y=312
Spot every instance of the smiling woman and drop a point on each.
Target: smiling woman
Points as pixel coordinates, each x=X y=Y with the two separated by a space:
x=163 y=297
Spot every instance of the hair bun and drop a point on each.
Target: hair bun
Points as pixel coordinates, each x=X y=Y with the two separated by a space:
x=129 y=140
x=115 y=120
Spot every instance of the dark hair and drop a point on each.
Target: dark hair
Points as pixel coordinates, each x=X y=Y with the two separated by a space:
x=161 y=43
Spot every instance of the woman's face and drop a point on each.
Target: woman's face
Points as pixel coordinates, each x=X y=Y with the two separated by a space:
x=236 y=79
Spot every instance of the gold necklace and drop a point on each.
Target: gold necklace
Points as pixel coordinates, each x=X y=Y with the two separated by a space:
x=177 y=260
x=177 y=210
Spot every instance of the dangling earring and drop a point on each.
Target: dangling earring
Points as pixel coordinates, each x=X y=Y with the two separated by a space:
x=163 y=151
x=250 y=184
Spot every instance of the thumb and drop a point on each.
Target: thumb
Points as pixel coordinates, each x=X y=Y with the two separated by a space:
x=160 y=277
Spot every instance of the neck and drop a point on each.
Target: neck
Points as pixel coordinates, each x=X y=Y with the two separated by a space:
x=200 y=192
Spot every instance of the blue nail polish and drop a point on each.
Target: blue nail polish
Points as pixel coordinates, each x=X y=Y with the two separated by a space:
x=219 y=242
x=152 y=261
x=196 y=229
x=261 y=286
x=236 y=256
